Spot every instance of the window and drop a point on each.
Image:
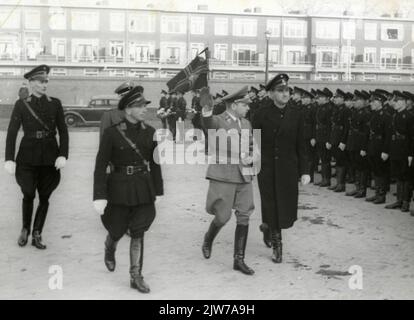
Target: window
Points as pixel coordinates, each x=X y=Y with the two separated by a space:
x=391 y=58
x=348 y=30
x=369 y=77
x=395 y=77
x=220 y=51
x=274 y=54
x=173 y=52
x=294 y=29
x=294 y=54
x=244 y=75
x=392 y=32
x=167 y=74
x=116 y=73
x=244 y=27
x=59 y=48
x=370 y=55
x=221 y=26
x=141 y=73
x=221 y=75
x=85 y=50
x=196 y=48
x=10 y=18
x=116 y=50
x=370 y=31
x=197 y=25
x=327 y=76
x=327 y=56
x=9 y=72
x=32 y=19
x=274 y=27
x=90 y=71
x=327 y=29
x=173 y=24
x=85 y=20
x=347 y=77
x=348 y=55
x=141 y=52
x=141 y=23
x=244 y=54
x=117 y=21
x=57 y=18
x=32 y=46
x=59 y=71
x=9 y=46
x=297 y=76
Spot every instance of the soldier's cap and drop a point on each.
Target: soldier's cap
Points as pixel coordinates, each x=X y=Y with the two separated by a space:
x=38 y=73
x=307 y=94
x=361 y=94
x=280 y=80
x=378 y=96
x=132 y=96
x=409 y=95
x=163 y=91
x=297 y=90
x=325 y=92
x=262 y=87
x=238 y=96
x=290 y=90
x=124 y=87
x=218 y=95
x=349 y=96
x=253 y=89
x=313 y=91
x=224 y=93
x=383 y=92
x=340 y=93
x=399 y=95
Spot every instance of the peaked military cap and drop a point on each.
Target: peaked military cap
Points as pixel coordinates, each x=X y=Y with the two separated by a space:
x=383 y=92
x=218 y=95
x=124 y=87
x=361 y=94
x=253 y=89
x=38 y=73
x=340 y=93
x=163 y=91
x=409 y=95
x=349 y=96
x=238 y=96
x=262 y=87
x=280 y=80
x=378 y=96
x=133 y=95
x=307 y=94
x=324 y=92
x=224 y=93
x=400 y=95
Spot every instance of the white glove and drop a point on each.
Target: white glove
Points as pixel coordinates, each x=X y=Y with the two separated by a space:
x=342 y=146
x=305 y=179
x=10 y=167
x=328 y=146
x=313 y=142
x=410 y=161
x=384 y=156
x=60 y=163
x=363 y=153
x=247 y=160
x=100 y=205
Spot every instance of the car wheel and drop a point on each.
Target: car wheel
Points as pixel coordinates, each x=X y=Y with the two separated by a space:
x=71 y=120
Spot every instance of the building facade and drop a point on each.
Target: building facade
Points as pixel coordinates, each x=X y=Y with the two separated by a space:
x=115 y=42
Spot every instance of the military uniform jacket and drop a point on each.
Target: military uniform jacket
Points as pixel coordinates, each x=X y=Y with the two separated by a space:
x=323 y=123
x=309 y=121
x=340 y=125
x=181 y=107
x=219 y=108
x=120 y=188
x=33 y=151
x=172 y=106
x=163 y=103
x=109 y=118
x=224 y=170
x=400 y=136
x=378 y=126
x=195 y=104
x=359 y=130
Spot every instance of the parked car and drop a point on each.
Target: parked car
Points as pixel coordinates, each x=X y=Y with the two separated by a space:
x=92 y=113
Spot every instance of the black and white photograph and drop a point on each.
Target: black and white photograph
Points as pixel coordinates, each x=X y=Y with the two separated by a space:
x=207 y=152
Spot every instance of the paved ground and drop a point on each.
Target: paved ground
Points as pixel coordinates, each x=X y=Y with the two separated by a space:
x=332 y=234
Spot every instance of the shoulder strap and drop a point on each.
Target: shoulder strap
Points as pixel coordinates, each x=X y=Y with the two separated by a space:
x=132 y=145
x=44 y=125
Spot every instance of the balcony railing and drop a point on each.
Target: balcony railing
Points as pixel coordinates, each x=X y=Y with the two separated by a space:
x=366 y=66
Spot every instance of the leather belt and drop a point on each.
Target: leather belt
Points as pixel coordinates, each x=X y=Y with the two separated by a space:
x=41 y=134
x=130 y=170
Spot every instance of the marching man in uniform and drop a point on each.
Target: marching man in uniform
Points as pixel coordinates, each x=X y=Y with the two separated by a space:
x=39 y=160
x=230 y=188
x=126 y=198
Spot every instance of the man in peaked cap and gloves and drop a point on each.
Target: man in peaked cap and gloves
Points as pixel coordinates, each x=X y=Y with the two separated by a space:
x=357 y=143
x=399 y=149
x=254 y=105
x=283 y=161
x=40 y=158
x=230 y=187
x=126 y=198
x=163 y=106
x=323 y=133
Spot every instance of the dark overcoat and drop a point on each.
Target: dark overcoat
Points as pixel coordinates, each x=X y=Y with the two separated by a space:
x=283 y=161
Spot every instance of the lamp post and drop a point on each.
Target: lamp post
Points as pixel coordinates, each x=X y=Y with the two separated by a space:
x=267 y=35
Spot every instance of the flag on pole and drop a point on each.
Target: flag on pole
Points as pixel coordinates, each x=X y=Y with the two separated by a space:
x=193 y=76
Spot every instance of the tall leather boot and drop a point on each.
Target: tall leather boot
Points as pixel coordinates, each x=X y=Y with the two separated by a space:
x=357 y=184
x=407 y=194
x=340 y=178
x=27 y=212
x=267 y=238
x=377 y=190
x=363 y=183
x=38 y=224
x=240 y=240
x=136 y=255
x=110 y=248
x=381 y=191
x=212 y=232
x=398 y=203
x=351 y=175
x=326 y=175
x=277 y=246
